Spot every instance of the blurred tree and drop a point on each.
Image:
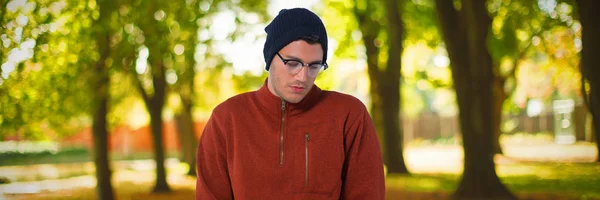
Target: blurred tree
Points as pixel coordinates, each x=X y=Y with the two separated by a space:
x=184 y=86
x=45 y=98
x=155 y=20
x=590 y=20
x=62 y=50
x=193 y=19
x=3 y=8
x=169 y=45
x=509 y=45
x=418 y=26
x=465 y=26
x=543 y=46
x=379 y=27
x=99 y=86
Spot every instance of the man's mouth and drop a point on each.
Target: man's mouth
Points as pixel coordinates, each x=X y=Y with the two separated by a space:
x=297 y=89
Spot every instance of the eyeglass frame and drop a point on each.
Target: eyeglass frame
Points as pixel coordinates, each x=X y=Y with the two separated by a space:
x=302 y=64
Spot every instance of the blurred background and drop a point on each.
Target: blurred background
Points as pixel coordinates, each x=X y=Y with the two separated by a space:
x=106 y=99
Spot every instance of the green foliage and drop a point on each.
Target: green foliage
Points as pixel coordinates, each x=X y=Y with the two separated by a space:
x=47 y=92
x=419 y=17
x=342 y=27
x=69 y=155
x=248 y=82
x=578 y=181
x=421 y=78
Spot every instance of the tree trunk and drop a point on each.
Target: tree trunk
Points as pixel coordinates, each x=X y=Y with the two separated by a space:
x=385 y=85
x=159 y=152
x=393 y=135
x=377 y=115
x=155 y=108
x=500 y=96
x=155 y=32
x=154 y=105
x=390 y=90
x=465 y=34
x=101 y=161
x=596 y=136
x=590 y=18
x=187 y=95
x=100 y=83
x=185 y=125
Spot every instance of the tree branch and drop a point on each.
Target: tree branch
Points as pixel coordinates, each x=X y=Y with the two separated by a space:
x=521 y=54
x=395 y=38
x=454 y=34
x=369 y=29
x=3 y=11
x=360 y=16
x=135 y=79
x=140 y=88
x=2 y=14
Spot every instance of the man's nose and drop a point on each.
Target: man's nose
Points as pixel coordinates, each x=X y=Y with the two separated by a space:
x=302 y=75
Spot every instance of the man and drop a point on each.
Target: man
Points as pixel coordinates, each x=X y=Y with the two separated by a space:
x=290 y=139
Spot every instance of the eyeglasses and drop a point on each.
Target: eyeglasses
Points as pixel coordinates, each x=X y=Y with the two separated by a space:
x=294 y=66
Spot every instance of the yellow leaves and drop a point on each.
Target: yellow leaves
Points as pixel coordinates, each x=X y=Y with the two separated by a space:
x=533 y=82
x=361 y=4
x=523 y=35
x=437 y=73
x=421 y=57
x=92 y=5
x=95 y=16
x=413 y=102
x=135 y=112
x=72 y=58
x=506 y=65
x=414 y=56
x=568 y=79
x=498 y=21
x=341 y=26
x=60 y=61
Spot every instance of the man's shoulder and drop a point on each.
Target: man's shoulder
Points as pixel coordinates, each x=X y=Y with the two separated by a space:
x=342 y=99
x=234 y=102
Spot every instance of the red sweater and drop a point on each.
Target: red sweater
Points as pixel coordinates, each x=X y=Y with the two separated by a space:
x=256 y=146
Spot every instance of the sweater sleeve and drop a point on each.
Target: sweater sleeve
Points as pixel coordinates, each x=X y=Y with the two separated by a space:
x=362 y=174
x=212 y=180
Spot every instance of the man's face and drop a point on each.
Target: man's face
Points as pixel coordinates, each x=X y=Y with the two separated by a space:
x=293 y=87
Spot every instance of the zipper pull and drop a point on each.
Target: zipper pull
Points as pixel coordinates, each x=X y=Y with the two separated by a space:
x=282 y=105
x=307 y=138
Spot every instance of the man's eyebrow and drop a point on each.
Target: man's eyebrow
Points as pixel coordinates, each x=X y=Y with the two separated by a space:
x=298 y=59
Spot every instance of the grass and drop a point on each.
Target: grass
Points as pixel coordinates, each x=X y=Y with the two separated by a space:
x=527 y=180
x=45 y=157
x=127 y=185
x=74 y=155
x=533 y=168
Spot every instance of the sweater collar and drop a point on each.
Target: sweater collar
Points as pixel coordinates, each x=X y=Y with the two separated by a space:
x=273 y=103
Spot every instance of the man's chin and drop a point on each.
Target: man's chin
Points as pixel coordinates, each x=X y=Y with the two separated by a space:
x=294 y=98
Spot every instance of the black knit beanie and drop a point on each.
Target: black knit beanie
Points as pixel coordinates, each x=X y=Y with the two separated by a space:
x=289 y=26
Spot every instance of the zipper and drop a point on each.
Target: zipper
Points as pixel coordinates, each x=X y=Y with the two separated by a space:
x=281 y=133
x=306 y=161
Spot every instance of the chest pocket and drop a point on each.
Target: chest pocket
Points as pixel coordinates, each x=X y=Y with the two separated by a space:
x=323 y=158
